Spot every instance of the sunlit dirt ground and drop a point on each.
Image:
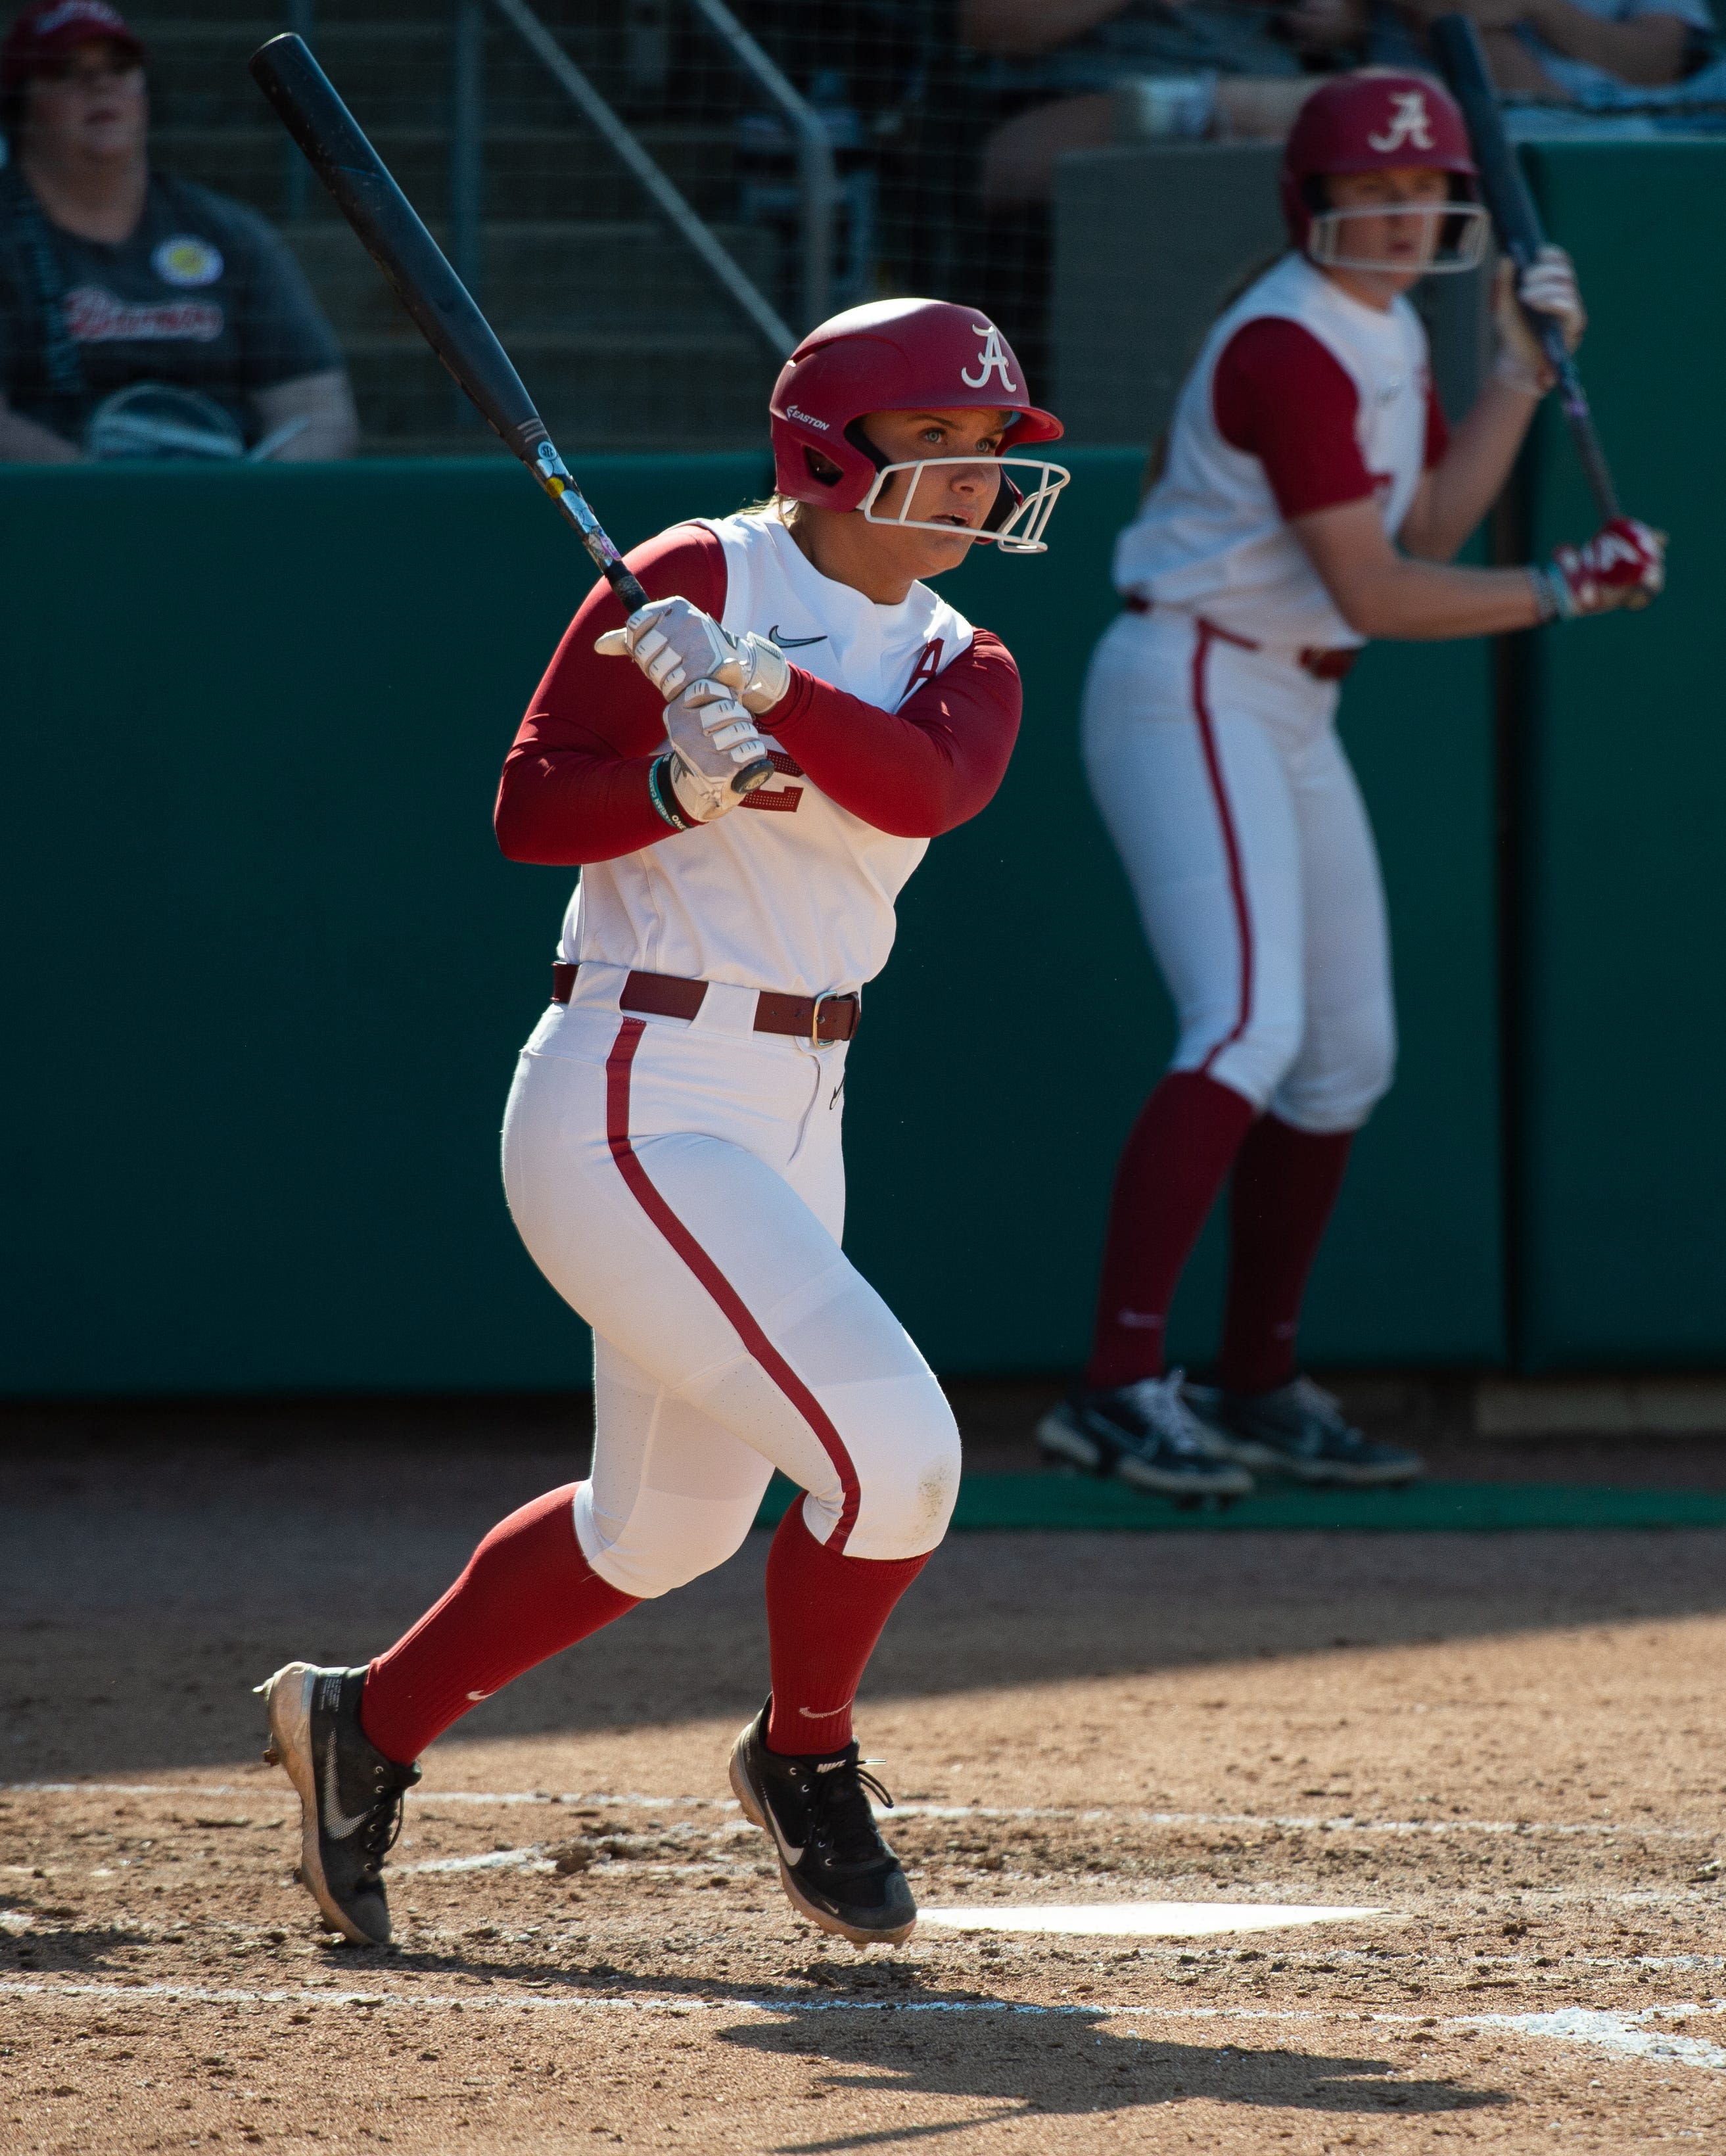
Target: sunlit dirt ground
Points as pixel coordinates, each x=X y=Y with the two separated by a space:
x=1511 y=1749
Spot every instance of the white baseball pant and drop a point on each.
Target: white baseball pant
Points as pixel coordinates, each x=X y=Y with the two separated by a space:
x=1219 y=775
x=681 y=1184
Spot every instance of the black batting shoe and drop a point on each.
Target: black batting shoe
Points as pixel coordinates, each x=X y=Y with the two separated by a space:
x=349 y=1794
x=1144 y=1435
x=1299 y=1429
x=833 y=1865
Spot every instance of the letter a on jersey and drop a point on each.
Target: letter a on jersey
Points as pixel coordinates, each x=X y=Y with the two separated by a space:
x=1410 y=126
x=991 y=360
x=928 y=666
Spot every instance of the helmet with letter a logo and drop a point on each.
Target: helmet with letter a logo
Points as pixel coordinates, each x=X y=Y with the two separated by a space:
x=1380 y=120
x=906 y=356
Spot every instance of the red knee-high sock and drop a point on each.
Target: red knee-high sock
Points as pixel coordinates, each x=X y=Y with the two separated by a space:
x=824 y=1612
x=1286 y=1183
x=1171 y=1168
x=527 y=1592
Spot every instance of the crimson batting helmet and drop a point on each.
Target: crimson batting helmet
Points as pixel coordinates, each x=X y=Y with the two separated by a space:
x=1378 y=121
x=906 y=355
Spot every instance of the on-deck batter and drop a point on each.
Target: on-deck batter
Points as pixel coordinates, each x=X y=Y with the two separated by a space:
x=1310 y=492
x=671 y=1144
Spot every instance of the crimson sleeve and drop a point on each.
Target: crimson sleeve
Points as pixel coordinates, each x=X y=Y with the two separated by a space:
x=1278 y=395
x=1438 y=432
x=917 y=771
x=574 y=786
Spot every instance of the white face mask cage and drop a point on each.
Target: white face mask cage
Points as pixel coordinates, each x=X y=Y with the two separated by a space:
x=1021 y=531
x=1468 y=237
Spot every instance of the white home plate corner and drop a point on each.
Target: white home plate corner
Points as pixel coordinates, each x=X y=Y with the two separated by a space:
x=1140 y=1920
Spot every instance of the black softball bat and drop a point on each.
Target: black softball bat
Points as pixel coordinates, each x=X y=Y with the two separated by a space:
x=1516 y=222
x=306 y=103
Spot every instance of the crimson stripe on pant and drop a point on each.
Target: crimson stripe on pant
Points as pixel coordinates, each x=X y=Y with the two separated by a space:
x=748 y=1331
x=1207 y=635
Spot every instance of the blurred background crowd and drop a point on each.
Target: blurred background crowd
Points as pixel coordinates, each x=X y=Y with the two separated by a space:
x=1091 y=172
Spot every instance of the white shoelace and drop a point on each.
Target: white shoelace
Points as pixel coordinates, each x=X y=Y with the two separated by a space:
x=1159 y=1401
x=1326 y=1406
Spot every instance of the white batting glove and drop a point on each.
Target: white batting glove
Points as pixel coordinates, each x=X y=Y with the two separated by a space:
x=1548 y=286
x=674 y=643
x=712 y=739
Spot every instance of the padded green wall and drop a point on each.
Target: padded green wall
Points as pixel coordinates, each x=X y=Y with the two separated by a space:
x=268 y=973
x=982 y=1148
x=1621 y=1184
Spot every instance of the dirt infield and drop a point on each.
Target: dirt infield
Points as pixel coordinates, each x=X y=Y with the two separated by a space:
x=1513 y=1748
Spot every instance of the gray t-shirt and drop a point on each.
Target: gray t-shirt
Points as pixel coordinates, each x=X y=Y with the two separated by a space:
x=202 y=296
x=1150 y=37
x=1592 y=85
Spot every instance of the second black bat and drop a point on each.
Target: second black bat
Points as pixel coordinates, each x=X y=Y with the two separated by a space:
x=1516 y=222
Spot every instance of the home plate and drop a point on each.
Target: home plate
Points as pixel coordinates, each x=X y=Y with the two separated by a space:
x=1141 y=1920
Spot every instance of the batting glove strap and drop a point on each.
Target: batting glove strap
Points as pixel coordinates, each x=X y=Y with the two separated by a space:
x=759 y=676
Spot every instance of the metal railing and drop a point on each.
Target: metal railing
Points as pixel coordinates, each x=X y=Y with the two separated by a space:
x=817 y=173
x=468 y=136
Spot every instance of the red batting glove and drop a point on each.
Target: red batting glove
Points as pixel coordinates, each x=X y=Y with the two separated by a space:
x=1623 y=565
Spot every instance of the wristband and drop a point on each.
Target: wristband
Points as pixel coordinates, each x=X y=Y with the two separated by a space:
x=658 y=788
x=1552 y=595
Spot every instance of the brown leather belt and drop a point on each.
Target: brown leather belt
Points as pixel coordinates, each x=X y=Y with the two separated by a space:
x=812 y=1018
x=1323 y=664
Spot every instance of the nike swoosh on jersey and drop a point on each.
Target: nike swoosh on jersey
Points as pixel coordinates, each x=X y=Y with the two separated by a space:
x=791 y=643
x=336 y=1822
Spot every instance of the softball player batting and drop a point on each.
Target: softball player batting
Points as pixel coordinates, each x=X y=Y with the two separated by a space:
x=1309 y=495
x=671 y=1144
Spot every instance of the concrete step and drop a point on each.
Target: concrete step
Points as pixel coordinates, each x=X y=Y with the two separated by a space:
x=598 y=393
x=558 y=170
x=548 y=275
x=480 y=441
x=388 y=72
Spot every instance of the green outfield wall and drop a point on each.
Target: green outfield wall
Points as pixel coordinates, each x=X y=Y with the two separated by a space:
x=267 y=973
x=1619 y=943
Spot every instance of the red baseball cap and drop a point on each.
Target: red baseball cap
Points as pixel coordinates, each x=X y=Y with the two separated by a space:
x=53 y=27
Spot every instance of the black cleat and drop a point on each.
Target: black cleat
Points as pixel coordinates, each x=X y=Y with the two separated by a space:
x=833 y=1865
x=349 y=1794
x=1147 y=1435
x=1300 y=1430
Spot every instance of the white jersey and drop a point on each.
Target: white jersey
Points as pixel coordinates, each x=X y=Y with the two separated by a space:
x=788 y=891
x=1211 y=539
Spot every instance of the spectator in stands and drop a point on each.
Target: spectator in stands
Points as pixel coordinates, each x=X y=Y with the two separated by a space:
x=1035 y=78
x=1087 y=73
x=139 y=314
x=1600 y=53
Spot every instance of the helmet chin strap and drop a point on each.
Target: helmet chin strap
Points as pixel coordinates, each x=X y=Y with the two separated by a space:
x=859 y=440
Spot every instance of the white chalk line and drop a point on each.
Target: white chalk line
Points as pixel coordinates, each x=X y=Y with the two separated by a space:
x=1141 y=1920
x=1306 y=1822
x=1626 y=2031
x=21 y=1923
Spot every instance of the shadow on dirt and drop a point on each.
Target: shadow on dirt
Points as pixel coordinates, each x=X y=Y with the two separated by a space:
x=144 y=1591
x=1083 y=2063
x=877 y=2027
